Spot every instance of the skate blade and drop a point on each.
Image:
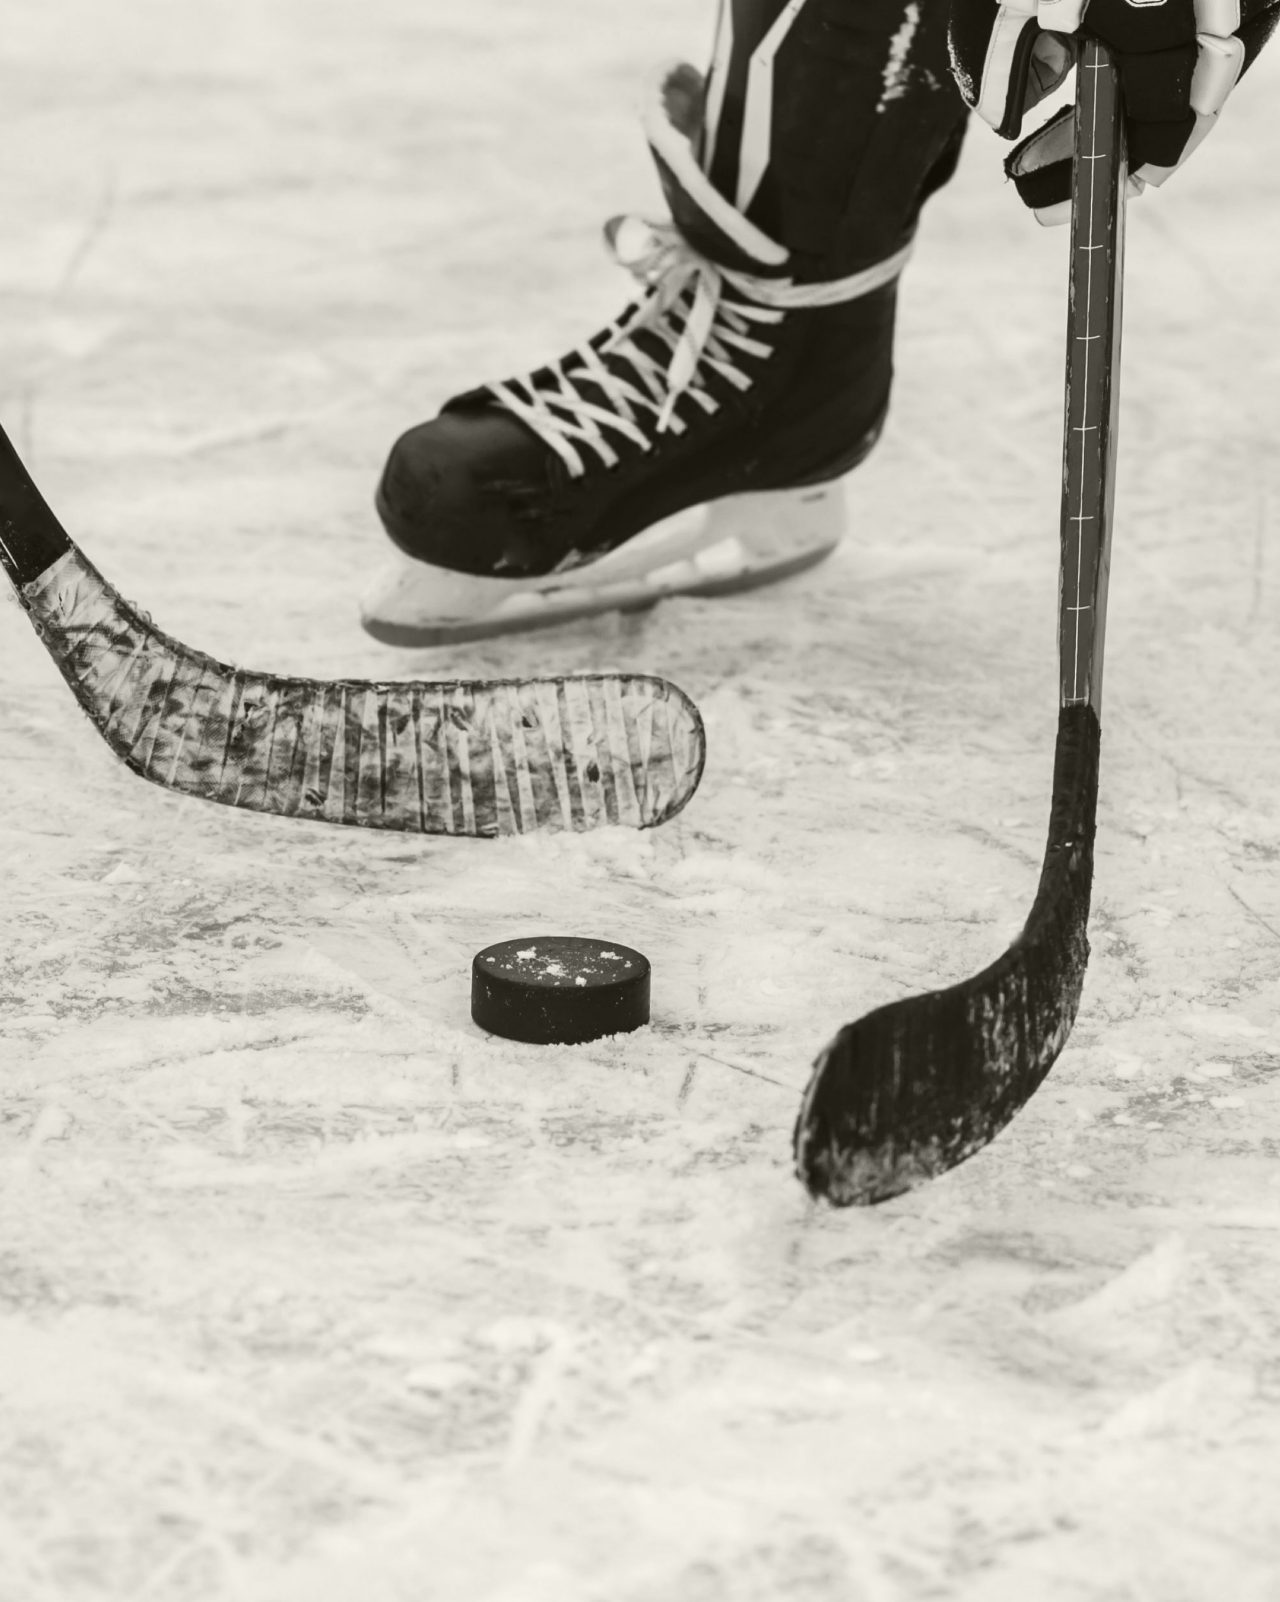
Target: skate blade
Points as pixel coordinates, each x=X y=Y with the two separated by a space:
x=723 y=548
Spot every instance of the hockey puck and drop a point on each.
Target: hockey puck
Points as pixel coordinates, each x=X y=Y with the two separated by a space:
x=559 y=989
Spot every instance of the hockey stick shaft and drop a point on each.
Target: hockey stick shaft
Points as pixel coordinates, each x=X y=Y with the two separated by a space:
x=465 y=757
x=1093 y=376
x=908 y=1091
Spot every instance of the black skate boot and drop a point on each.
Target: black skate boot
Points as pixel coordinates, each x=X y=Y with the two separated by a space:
x=697 y=444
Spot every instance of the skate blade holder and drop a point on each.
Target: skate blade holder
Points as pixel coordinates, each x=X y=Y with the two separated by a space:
x=718 y=549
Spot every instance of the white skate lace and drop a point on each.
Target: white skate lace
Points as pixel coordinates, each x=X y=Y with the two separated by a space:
x=704 y=330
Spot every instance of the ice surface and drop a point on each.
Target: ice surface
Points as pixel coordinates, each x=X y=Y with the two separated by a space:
x=307 y=1290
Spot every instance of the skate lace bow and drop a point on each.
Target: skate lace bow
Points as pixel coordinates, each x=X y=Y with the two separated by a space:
x=613 y=381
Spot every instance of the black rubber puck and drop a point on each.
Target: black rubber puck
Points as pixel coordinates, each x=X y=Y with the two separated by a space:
x=559 y=989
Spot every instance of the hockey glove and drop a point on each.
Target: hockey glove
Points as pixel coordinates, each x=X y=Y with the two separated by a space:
x=1178 y=62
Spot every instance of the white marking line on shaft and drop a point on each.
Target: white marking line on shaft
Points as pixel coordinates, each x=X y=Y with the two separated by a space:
x=1095 y=66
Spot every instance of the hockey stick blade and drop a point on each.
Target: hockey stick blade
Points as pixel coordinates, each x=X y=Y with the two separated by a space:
x=910 y=1090
x=915 y=1087
x=463 y=757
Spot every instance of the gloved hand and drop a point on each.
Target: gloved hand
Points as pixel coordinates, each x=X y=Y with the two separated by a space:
x=1178 y=61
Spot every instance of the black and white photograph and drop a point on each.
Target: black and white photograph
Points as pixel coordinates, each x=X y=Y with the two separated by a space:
x=595 y=1004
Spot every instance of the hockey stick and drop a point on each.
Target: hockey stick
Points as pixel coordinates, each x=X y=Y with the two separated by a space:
x=912 y=1089
x=466 y=757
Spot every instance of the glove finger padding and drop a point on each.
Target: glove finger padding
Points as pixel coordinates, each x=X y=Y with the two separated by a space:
x=1178 y=61
x=1041 y=170
x=1004 y=62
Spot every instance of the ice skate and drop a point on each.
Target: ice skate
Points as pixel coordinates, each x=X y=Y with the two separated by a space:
x=698 y=444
